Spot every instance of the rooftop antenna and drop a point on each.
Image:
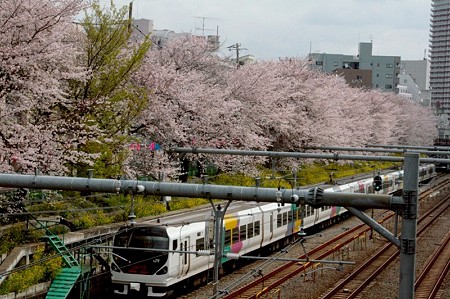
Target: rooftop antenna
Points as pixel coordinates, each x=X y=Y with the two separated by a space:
x=202 y=28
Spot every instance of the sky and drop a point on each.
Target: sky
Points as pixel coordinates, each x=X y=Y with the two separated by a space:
x=270 y=29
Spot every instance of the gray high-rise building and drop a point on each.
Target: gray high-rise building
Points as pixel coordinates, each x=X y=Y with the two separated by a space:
x=440 y=63
x=363 y=70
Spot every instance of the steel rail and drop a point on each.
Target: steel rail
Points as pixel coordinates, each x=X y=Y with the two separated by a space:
x=433 y=274
x=387 y=253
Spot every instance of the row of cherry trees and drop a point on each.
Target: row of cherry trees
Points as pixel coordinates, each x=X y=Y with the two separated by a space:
x=76 y=96
x=199 y=100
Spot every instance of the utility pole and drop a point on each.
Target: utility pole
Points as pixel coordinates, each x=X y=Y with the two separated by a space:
x=130 y=16
x=237 y=47
x=410 y=213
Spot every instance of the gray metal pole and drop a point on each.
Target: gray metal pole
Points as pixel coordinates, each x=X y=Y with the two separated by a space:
x=375 y=150
x=334 y=156
x=409 y=226
x=219 y=215
x=445 y=148
x=375 y=225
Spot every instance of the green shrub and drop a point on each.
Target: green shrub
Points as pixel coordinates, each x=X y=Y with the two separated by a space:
x=186 y=203
x=17 y=236
x=41 y=272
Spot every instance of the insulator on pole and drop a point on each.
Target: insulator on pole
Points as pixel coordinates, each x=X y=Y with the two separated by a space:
x=232 y=256
x=204 y=252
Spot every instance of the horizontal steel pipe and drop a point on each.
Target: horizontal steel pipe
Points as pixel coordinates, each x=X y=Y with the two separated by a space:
x=358 y=200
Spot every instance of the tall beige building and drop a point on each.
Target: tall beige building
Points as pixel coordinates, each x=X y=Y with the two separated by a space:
x=440 y=64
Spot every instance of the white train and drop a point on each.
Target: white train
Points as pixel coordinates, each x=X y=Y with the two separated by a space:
x=265 y=227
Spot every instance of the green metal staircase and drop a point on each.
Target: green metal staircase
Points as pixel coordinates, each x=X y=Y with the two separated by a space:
x=58 y=245
x=63 y=283
x=69 y=275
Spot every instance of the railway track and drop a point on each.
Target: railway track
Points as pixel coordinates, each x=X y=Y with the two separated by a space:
x=433 y=274
x=291 y=269
x=270 y=281
x=360 y=278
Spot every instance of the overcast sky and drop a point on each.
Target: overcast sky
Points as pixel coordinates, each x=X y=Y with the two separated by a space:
x=270 y=29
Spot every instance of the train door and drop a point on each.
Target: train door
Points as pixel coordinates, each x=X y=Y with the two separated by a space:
x=184 y=256
x=316 y=214
x=271 y=225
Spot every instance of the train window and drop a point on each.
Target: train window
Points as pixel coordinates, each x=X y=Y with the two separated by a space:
x=185 y=252
x=121 y=240
x=200 y=244
x=279 y=220
x=284 y=218
x=227 y=237
x=174 y=244
x=243 y=232
x=308 y=211
x=257 y=228
x=235 y=235
x=250 y=230
x=271 y=223
x=290 y=216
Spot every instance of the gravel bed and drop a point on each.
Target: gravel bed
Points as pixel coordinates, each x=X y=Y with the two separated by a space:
x=314 y=284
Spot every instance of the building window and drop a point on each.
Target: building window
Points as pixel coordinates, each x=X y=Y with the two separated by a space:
x=378 y=75
x=319 y=62
x=388 y=86
x=405 y=80
x=389 y=65
x=388 y=76
x=335 y=63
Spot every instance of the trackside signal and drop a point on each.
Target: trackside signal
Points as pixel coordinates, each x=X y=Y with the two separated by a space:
x=377 y=183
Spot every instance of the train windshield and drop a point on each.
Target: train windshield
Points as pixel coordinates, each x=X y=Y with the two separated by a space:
x=139 y=261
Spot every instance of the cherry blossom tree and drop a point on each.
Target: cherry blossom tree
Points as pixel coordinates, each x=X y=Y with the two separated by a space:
x=37 y=61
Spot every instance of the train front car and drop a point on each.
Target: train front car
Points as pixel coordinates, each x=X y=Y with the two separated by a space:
x=152 y=260
x=136 y=271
